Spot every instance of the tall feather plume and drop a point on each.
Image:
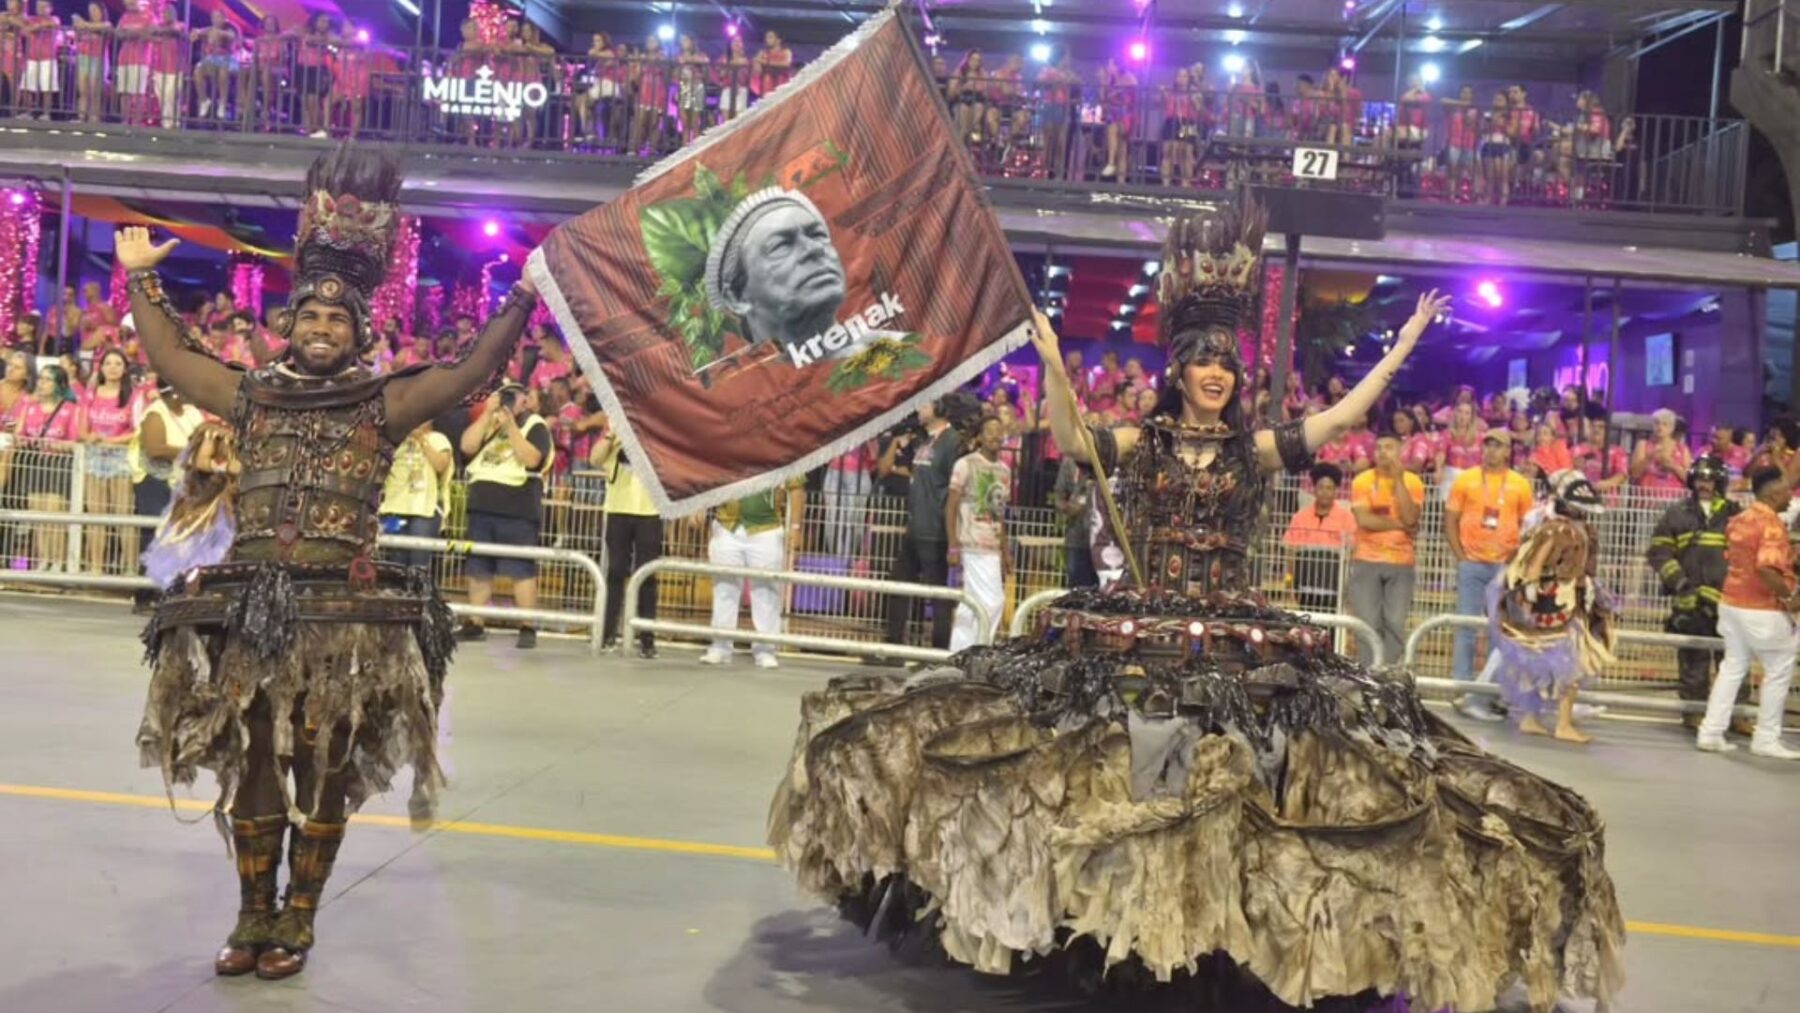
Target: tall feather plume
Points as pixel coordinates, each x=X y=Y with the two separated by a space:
x=1209 y=268
x=349 y=221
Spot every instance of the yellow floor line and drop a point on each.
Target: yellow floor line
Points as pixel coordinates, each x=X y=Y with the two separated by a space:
x=501 y=830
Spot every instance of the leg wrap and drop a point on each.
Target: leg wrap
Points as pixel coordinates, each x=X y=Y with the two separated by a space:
x=257 y=843
x=313 y=851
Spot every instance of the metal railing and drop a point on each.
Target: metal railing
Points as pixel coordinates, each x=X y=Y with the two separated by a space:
x=858 y=534
x=594 y=620
x=631 y=622
x=1018 y=125
x=1628 y=701
x=1771 y=37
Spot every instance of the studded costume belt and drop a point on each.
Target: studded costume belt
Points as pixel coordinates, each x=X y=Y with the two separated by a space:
x=361 y=592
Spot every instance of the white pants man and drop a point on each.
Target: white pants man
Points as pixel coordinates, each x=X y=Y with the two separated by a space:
x=1768 y=635
x=763 y=550
x=168 y=98
x=983 y=580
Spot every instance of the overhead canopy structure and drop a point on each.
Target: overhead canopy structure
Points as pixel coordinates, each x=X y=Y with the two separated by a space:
x=1093 y=232
x=1522 y=30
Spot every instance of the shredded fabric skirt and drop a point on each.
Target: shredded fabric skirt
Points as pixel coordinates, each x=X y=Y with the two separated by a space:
x=1536 y=670
x=372 y=689
x=1333 y=858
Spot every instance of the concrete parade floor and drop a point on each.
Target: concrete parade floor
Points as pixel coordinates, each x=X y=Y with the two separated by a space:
x=611 y=853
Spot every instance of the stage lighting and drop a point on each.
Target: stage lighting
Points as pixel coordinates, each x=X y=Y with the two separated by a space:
x=490 y=228
x=665 y=32
x=1432 y=44
x=409 y=7
x=1125 y=309
x=1152 y=266
x=1489 y=291
x=1430 y=73
x=1348 y=63
x=731 y=29
x=1140 y=51
x=1235 y=37
x=1235 y=10
x=1040 y=51
x=362 y=36
x=1139 y=289
x=1234 y=63
x=15 y=197
x=1434 y=24
x=1040 y=26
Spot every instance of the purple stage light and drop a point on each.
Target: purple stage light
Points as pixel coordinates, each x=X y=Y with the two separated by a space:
x=1347 y=63
x=490 y=228
x=731 y=29
x=362 y=35
x=1140 y=52
x=15 y=197
x=1489 y=291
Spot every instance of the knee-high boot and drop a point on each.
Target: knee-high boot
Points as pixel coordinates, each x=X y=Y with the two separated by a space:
x=314 y=849
x=257 y=843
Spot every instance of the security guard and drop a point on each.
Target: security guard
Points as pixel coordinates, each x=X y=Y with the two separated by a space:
x=1688 y=553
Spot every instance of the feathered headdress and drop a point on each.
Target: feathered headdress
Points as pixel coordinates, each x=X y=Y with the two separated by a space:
x=1209 y=278
x=347 y=231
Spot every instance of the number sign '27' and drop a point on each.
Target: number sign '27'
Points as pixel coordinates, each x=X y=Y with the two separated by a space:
x=1315 y=163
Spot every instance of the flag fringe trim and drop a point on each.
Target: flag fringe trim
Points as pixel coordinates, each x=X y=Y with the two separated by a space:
x=575 y=338
x=827 y=61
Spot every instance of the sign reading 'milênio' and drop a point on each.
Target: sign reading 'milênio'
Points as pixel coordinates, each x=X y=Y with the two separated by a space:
x=481 y=95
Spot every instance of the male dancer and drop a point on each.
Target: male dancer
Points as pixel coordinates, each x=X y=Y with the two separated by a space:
x=300 y=653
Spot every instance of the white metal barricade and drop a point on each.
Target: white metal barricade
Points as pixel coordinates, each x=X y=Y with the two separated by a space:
x=631 y=622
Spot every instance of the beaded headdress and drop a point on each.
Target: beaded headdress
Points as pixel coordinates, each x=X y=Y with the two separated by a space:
x=1209 y=280
x=347 y=231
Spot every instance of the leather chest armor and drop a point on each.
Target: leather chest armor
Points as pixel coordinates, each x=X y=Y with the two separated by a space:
x=315 y=459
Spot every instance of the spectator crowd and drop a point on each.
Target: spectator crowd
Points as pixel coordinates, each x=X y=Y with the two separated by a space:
x=1184 y=126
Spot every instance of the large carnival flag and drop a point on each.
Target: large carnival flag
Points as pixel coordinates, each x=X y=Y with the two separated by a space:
x=790 y=284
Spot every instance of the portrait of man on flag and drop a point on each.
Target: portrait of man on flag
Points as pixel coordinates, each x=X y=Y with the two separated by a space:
x=790 y=284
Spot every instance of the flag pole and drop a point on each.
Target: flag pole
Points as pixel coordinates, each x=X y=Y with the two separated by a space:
x=1053 y=368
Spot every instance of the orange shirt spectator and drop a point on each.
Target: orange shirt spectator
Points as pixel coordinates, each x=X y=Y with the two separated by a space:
x=1490 y=504
x=1312 y=529
x=1375 y=493
x=1756 y=539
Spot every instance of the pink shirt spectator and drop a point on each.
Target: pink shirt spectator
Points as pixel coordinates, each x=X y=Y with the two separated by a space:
x=1656 y=476
x=54 y=423
x=165 y=53
x=134 y=52
x=545 y=371
x=1588 y=459
x=106 y=418
x=1737 y=460
x=42 y=38
x=1460 y=454
x=91 y=44
x=855 y=461
x=1419 y=453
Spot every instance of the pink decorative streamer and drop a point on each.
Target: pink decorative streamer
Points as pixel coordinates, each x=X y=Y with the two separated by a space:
x=247 y=284
x=21 y=226
x=396 y=295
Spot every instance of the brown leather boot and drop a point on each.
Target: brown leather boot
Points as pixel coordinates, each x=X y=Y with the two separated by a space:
x=257 y=843
x=314 y=849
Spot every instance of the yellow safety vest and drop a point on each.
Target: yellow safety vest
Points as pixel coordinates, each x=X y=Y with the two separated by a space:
x=497 y=463
x=177 y=431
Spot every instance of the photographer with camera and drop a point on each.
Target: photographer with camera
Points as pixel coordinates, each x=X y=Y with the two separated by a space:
x=509 y=453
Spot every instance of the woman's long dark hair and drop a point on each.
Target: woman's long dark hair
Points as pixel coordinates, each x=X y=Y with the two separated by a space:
x=126 y=388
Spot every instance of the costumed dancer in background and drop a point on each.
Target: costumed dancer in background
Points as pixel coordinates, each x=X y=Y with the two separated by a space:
x=1687 y=551
x=198 y=528
x=1171 y=781
x=301 y=655
x=1550 y=623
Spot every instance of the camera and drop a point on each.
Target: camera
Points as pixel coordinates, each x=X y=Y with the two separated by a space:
x=509 y=399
